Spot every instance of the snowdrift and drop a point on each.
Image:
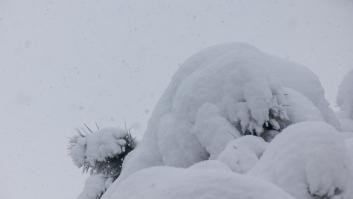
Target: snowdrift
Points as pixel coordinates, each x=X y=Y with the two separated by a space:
x=176 y=183
x=308 y=160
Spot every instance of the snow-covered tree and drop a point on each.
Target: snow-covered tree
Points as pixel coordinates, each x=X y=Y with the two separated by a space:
x=223 y=93
x=101 y=153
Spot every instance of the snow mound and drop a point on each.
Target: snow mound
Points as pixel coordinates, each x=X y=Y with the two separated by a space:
x=176 y=183
x=243 y=153
x=220 y=94
x=309 y=160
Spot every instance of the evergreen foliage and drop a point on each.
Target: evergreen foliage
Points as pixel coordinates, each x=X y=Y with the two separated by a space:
x=101 y=154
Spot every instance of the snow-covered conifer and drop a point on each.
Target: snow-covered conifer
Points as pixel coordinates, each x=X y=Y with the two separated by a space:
x=220 y=94
x=101 y=153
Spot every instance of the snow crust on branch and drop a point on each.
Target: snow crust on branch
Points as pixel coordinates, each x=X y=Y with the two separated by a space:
x=86 y=150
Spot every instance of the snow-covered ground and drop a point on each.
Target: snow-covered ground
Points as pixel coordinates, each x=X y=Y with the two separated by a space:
x=196 y=183
x=65 y=63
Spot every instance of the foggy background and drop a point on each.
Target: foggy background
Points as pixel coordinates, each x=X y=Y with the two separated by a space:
x=64 y=63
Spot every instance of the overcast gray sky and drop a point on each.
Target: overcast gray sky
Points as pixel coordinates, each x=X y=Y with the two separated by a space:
x=64 y=63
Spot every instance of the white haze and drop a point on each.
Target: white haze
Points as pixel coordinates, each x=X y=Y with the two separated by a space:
x=64 y=63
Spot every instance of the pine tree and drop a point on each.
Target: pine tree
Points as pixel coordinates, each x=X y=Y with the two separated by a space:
x=101 y=154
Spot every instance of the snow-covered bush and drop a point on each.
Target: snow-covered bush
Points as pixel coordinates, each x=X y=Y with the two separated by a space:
x=176 y=183
x=345 y=102
x=101 y=153
x=309 y=160
x=221 y=94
